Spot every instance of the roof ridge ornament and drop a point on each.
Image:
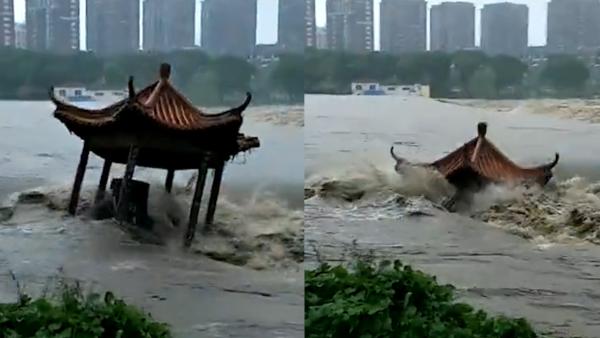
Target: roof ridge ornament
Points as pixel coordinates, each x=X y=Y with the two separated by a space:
x=481 y=131
x=165 y=71
x=240 y=109
x=131 y=88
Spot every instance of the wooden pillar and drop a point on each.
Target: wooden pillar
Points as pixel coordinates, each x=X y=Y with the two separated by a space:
x=214 y=193
x=169 y=180
x=103 y=181
x=123 y=203
x=83 y=159
x=195 y=210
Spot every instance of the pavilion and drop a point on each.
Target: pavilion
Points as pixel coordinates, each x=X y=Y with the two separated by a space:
x=156 y=127
x=479 y=162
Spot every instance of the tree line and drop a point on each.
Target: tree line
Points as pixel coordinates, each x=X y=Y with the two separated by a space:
x=463 y=74
x=206 y=80
x=222 y=80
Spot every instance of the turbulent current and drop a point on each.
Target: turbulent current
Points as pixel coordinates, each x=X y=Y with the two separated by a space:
x=241 y=277
x=521 y=252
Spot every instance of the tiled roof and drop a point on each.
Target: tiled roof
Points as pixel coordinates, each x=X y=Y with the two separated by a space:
x=482 y=157
x=160 y=102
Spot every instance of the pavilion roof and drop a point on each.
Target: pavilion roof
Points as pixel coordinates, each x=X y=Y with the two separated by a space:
x=481 y=156
x=480 y=160
x=159 y=102
x=161 y=120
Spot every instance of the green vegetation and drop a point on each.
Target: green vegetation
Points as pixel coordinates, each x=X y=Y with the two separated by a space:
x=464 y=74
x=392 y=300
x=565 y=72
x=73 y=315
x=207 y=80
x=288 y=76
x=223 y=80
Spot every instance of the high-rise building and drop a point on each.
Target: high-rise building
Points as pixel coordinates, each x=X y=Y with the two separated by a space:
x=291 y=25
x=7 y=23
x=350 y=25
x=36 y=18
x=504 y=29
x=321 y=38
x=310 y=23
x=20 y=35
x=573 y=25
x=113 y=26
x=52 y=25
x=452 y=26
x=403 y=26
x=169 y=25
x=229 y=27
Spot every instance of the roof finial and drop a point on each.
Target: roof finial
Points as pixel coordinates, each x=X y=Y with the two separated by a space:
x=130 y=87
x=165 y=71
x=481 y=129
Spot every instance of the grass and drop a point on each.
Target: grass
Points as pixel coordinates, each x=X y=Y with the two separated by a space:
x=393 y=300
x=71 y=314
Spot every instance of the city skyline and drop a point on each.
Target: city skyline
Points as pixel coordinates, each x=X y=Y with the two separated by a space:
x=537 y=18
x=266 y=30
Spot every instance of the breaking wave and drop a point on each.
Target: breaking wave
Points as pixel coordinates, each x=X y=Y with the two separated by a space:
x=563 y=212
x=370 y=181
x=278 y=115
x=576 y=109
x=371 y=192
x=260 y=232
x=567 y=211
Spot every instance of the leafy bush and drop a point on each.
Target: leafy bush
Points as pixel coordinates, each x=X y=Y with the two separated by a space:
x=392 y=300
x=73 y=315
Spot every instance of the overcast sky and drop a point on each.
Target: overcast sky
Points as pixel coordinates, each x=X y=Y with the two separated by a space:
x=266 y=31
x=537 y=18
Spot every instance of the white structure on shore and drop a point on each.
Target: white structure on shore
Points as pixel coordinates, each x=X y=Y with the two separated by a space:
x=374 y=88
x=80 y=94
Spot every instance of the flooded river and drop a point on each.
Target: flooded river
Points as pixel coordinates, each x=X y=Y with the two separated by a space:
x=243 y=277
x=519 y=253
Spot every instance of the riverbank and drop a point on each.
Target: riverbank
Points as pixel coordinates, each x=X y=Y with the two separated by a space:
x=389 y=299
x=577 y=109
x=68 y=312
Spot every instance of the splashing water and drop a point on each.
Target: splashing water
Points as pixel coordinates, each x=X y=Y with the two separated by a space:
x=261 y=232
x=564 y=211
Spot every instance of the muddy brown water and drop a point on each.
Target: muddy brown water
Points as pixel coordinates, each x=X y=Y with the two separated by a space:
x=254 y=287
x=553 y=282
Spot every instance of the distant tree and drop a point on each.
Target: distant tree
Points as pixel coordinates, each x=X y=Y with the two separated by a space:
x=16 y=70
x=142 y=66
x=312 y=77
x=328 y=71
x=483 y=83
x=467 y=63
x=28 y=75
x=565 y=72
x=115 y=75
x=374 y=66
x=233 y=75
x=203 y=88
x=509 y=71
x=288 y=75
x=410 y=68
x=185 y=64
x=338 y=66
x=437 y=68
